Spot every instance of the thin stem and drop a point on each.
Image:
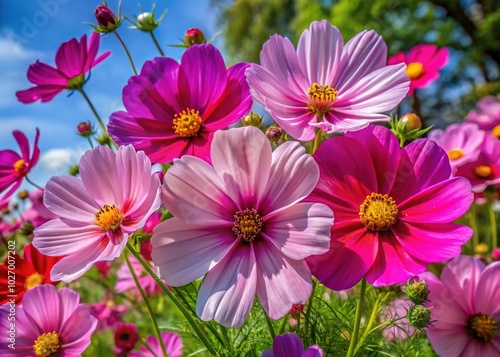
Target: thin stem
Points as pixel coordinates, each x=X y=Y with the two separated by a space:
x=493 y=221
x=317 y=140
x=283 y=324
x=473 y=225
x=174 y=299
x=156 y=43
x=357 y=320
x=309 y=305
x=146 y=301
x=90 y=142
x=126 y=51
x=32 y=183
x=269 y=324
x=373 y=317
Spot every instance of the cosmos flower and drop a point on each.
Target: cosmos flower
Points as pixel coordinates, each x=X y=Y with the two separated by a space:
x=126 y=337
x=423 y=63
x=14 y=167
x=172 y=341
x=73 y=60
x=126 y=282
x=31 y=270
x=393 y=208
x=173 y=109
x=290 y=345
x=464 y=308
x=487 y=115
x=462 y=142
x=325 y=83
x=242 y=224
x=397 y=310
x=37 y=214
x=50 y=323
x=107 y=313
x=116 y=194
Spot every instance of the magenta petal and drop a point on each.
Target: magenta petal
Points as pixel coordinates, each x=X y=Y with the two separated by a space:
x=227 y=293
x=48 y=316
x=287 y=345
x=45 y=93
x=70 y=57
x=397 y=58
x=77 y=329
x=41 y=73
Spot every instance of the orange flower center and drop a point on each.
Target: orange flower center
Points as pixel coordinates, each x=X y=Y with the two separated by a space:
x=20 y=166
x=247 y=225
x=455 y=154
x=378 y=212
x=47 y=344
x=414 y=70
x=496 y=131
x=483 y=171
x=187 y=123
x=108 y=218
x=33 y=280
x=321 y=98
x=481 y=327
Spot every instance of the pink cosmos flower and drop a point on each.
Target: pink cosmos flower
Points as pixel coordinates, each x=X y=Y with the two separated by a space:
x=423 y=63
x=73 y=60
x=108 y=314
x=14 y=167
x=487 y=115
x=37 y=214
x=173 y=109
x=241 y=222
x=115 y=195
x=126 y=282
x=50 y=322
x=290 y=345
x=325 y=83
x=393 y=208
x=486 y=169
x=172 y=341
x=465 y=309
x=462 y=142
x=401 y=329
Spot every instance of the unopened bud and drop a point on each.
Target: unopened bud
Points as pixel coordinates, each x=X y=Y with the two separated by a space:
x=410 y=122
x=274 y=133
x=103 y=139
x=23 y=194
x=27 y=228
x=495 y=254
x=146 y=22
x=194 y=36
x=419 y=316
x=252 y=119
x=417 y=292
x=296 y=309
x=107 y=21
x=74 y=170
x=85 y=129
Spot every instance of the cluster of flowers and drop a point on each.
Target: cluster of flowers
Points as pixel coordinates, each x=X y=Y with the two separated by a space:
x=251 y=220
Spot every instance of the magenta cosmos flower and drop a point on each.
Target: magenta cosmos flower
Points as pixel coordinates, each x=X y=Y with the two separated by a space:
x=242 y=222
x=14 y=167
x=173 y=109
x=115 y=195
x=73 y=60
x=487 y=115
x=462 y=142
x=50 y=323
x=290 y=345
x=423 y=63
x=393 y=208
x=171 y=340
x=325 y=83
x=465 y=309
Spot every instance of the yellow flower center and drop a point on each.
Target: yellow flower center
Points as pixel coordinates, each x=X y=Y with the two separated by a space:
x=321 y=98
x=496 y=131
x=483 y=171
x=187 y=123
x=455 y=154
x=378 y=212
x=19 y=166
x=108 y=217
x=76 y=82
x=414 y=70
x=481 y=327
x=247 y=225
x=47 y=344
x=33 y=280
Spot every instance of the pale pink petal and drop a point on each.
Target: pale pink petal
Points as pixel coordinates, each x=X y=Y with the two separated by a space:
x=173 y=343
x=69 y=302
x=488 y=290
x=295 y=119
x=244 y=172
x=227 y=293
x=449 y=342
x=300 y=230
x=184 y=252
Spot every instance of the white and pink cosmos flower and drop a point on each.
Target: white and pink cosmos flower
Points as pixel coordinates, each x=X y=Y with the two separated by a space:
x=241 y=222
x=116 y=194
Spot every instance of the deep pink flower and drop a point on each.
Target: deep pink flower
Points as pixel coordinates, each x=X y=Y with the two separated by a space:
x=50 y=322
x=290 y=345
x=14 y=167
x=462 y=142
x=108 y=314
x=172 y=341
x=125 y=337
x=73 y=60
x=241 y=222
x=393 y=208
x=397 y=310
x=486 y=169
x=115 y=195
x=173 y=109
x=423 y=63
x=487 y=115
x=126 y=282
x=465 y=309
x=346 y=86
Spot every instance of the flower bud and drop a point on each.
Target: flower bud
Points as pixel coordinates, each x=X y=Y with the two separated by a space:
x=74 y=170
x=252 y=119
x=23 y=194
x=274 y=133
x=85 y=129
x=417 y=292
x=296 y=309
x=495 y=254
x=103 y=139
x=26 y=228
x=107 y=21
x=419 y=316
x=410 y=122
x=194 y=36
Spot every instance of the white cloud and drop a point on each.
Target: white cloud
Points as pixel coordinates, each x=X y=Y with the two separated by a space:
x=11 y=50
x=58 y=160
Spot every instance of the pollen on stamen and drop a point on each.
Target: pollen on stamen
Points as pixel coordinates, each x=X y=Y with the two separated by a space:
x=108 y=218
x=321 y=98
x=19 y=166
x=187 y=123
x=378 y=212
x=247 y=225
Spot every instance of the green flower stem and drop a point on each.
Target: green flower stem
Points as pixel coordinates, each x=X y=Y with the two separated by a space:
x=156 y=43
x=309 y=306
x=373 y=317
x=146 y=302
x=357 y=320
x=269 y=324
x=126 y=51
x=283 y=324
x=90 y=142
x=493 y=221
x=32 y=183
x=317 y=140
x=201 y=335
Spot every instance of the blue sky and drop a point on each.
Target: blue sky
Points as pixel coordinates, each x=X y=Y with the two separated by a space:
x=33 y=30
